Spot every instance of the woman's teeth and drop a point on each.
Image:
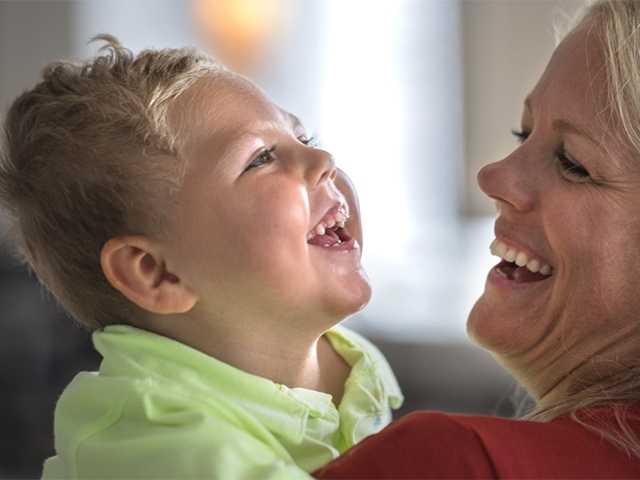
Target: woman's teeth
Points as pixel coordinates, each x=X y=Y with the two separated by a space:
x=521 y=259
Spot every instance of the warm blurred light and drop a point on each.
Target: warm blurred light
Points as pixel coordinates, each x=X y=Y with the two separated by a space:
x=240 y=31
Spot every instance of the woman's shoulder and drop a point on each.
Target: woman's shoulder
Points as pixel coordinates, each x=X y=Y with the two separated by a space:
x=441 y=445
x=419 y=445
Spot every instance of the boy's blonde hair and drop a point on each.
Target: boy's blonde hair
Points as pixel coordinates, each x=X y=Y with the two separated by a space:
x=89 y=154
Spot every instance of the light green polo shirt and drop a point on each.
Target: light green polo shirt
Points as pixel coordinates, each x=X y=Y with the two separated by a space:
x=158 y=408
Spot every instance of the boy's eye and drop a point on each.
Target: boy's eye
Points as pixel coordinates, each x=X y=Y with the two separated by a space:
x=311 y=141
x=265 y=156
x=567 y=165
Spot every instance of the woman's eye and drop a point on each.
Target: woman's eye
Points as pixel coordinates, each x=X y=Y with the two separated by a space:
x=263 y=157
x=570 y=167
x=311 y=141
x=567 y=165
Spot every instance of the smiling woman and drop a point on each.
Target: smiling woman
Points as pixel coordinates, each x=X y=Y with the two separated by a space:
x=567 y=195
x=560 y=311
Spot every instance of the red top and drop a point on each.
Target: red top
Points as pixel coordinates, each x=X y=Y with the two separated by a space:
x=437 y=445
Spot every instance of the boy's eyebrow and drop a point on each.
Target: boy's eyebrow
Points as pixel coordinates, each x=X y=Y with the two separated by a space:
x=295 y=121
x=236 y=139
x=211 y=144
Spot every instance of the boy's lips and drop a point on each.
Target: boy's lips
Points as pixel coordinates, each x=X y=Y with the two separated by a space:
x=336 y=238
x=331 y=233
x=337 y=214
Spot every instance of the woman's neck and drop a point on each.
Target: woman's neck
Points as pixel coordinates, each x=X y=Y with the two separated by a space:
x=557 y=375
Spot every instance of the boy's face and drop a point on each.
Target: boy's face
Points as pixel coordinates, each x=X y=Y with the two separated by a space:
x=243 y=215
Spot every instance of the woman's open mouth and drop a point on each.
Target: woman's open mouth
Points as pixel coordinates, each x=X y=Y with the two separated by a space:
x=518 y=266
x=517 y=274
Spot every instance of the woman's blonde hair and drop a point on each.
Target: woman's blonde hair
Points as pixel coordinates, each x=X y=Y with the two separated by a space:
x=89 y=153
x=617 y=23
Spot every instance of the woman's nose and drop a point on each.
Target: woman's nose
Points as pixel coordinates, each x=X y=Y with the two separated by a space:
x=320 y=167
x=507 y=181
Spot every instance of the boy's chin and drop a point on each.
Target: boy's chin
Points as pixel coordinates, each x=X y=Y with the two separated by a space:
x=354 y=299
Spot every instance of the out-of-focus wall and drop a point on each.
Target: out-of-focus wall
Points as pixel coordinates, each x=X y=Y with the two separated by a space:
x=31 y=34
x=40 y=349
x=507 y=44
x=138 y=24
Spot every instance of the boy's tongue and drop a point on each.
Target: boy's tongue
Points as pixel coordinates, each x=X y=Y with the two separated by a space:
x=329 y=239
x=519 y=274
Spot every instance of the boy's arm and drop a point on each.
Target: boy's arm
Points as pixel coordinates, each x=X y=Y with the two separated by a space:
x=346 y=187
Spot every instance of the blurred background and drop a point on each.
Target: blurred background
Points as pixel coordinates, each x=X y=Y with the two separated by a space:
x=411 y=96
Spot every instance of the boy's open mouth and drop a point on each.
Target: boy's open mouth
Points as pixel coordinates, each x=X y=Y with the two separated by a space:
x=330 y=232
x=332 y=237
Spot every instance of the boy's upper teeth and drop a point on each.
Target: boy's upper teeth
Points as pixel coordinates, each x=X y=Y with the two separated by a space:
x=522 y=259
x=338 y=218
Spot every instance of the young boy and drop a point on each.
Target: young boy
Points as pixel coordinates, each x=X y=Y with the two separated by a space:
x=193 y=225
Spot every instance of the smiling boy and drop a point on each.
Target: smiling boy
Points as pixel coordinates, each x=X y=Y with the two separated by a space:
x=189 y=222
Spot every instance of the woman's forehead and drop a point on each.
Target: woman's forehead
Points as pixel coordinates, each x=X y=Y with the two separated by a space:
x=573 y=90
x=575 y=78
x=572 y=96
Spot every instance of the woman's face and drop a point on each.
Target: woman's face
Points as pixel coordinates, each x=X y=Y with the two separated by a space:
x=569 y=197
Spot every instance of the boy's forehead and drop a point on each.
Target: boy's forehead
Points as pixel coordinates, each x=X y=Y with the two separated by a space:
x=226 y=108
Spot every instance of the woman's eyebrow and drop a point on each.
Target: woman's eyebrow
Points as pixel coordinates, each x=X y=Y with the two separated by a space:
x=565 y=126
x=527 y=105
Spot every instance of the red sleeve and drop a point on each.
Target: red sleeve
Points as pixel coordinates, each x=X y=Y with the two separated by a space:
x=419 y=445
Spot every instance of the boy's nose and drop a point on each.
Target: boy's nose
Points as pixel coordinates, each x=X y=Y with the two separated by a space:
x=320 y=167
x=507 y=182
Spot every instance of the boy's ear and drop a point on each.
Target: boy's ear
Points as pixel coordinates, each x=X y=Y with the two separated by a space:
x=346 y=187
x=134 y=270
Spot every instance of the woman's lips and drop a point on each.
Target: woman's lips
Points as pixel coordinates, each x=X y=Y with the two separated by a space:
x=518 y=274
x=520 y=257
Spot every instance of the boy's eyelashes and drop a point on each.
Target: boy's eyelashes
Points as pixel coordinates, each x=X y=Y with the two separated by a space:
x=266 y=155
x=311 y=141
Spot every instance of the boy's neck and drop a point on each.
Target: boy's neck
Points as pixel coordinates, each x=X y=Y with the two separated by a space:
x=310 y=362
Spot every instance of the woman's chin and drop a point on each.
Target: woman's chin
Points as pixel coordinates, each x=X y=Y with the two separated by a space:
x=489 y=330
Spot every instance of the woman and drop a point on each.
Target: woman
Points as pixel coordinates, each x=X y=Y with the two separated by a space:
x=569 y=198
